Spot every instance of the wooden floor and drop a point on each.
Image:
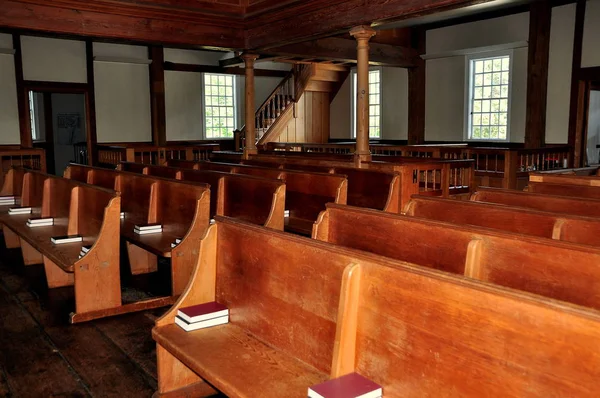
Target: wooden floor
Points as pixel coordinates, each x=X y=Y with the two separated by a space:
x=41 y=355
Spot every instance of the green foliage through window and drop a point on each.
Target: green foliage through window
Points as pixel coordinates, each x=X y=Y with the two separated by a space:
x=219 y=105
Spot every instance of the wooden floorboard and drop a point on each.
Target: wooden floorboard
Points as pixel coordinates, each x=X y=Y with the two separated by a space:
x=44 y=356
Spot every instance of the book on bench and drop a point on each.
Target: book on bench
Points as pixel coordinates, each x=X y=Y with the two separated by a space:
x=147 y=229
x=84 y=250
x=188 y=327
x=57 y=240
x=351 y=385
x=7 y=200
x=174 y=244
x=202 y=316
x=40 y=222
x=19 y=210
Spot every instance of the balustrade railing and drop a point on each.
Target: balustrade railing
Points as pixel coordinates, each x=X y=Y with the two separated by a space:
x=113 y=155
x=33 y=158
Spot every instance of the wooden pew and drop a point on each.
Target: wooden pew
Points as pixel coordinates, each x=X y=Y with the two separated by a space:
x=77 y=209
x=527 y=263
x=256 y=200
x=331 y=311
x=182 y=208
x=565 y=179
x=570 y=228
x=556 y=204
x=577 y=191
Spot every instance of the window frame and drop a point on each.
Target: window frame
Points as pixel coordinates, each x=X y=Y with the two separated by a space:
x=235 y=105
x=469 y=85
x=353 y=88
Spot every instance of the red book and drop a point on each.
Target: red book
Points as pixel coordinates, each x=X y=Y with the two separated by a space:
x=202 y=312
x=351 y=385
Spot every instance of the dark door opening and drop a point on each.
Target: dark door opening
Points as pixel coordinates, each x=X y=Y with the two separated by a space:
x=58 y=124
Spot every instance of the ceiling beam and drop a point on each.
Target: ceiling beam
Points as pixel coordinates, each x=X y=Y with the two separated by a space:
x=146 y=26
x=335 y=16
x=238 y=61
x=172 y=66
x=338 y=49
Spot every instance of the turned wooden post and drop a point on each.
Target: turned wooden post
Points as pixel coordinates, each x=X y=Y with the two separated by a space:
x=250 y=144
x=362 y=34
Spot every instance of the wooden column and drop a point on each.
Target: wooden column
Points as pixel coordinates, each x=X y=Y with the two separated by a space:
x=157 y=95
x=540 y=16
x=577 y=111
x=22 y=96
x=416 y=91
x=250 y=147
x=362 y=34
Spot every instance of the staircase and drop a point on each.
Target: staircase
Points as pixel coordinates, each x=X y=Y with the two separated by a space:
x=279 y=108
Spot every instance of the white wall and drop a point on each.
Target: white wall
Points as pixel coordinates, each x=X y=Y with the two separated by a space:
x=590 y=56
x=9 y=114
x=560 y=63
x=122 y=95
x=394 y=107
x=54 y=60
x=446 y=76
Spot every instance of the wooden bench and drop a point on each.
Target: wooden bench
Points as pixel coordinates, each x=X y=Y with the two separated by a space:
x=181 y=208
x=566 y=179
x=577 y=191
x=303 y=311
x=257 y=200
x=576 y=229
x=527 y=263
x=77 y=209
x=551 y=203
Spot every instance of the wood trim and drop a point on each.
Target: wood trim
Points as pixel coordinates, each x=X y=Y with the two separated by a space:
x=49 y=125
x=22 y=98
x=590 y=73
x=92 y=138
x=540 y=17
x=576 y=114
x=416 y=91
x=157 y=95
x=55 y=87
x=172 y=66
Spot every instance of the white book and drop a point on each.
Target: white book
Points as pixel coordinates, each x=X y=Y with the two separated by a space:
x=202 y=312
x=35 y=225
x=57 y=240
x=122 y=214
x=150 y=227
x=177 y=240
x=41 y=220
x=19 y=210
x=7 y=202
x=85 y=249
x=286 y=213
x=148 y=232
x=188 y=327
x=212 y=221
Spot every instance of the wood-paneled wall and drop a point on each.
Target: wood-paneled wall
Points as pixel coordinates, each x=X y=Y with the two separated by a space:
x=310 y=120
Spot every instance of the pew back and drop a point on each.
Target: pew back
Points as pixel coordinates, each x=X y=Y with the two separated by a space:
x=578 y=191
x=565 y=179
x=557 y=204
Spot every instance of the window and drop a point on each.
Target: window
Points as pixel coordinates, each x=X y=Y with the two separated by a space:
x=32 y=117
x=374 y=103
x=219 y=105
x=489 y=98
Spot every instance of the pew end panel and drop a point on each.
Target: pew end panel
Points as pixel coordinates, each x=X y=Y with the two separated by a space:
x=372 y=189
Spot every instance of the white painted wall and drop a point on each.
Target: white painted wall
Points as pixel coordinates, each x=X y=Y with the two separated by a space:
x=122 y=95
x=183 y=100
x=9 y=114
x=593 y=128
x=590 y=56
x=54 y=60
x=559 y=74
x=394 y=110
x=446 y=76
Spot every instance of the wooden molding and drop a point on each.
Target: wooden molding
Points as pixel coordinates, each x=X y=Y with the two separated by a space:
x=217 y=69
x=157 y=95
x=416 y=91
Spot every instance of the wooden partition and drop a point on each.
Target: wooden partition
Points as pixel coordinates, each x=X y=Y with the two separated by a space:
x=148 y=154
x=31 y=158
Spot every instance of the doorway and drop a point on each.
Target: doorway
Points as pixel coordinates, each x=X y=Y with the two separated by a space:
x=593 y=128
x=58 y=124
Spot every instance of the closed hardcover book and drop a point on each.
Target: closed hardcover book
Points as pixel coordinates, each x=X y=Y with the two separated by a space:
x=86 y=248
x=149 y=231
x=202 y=312
x=147 y=227
x=41 y=220
x=188 y=327
x=57 y=240
x=351 y=385
x=19 y=210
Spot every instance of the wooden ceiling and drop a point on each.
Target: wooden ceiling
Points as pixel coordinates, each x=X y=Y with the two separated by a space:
x=225 y=24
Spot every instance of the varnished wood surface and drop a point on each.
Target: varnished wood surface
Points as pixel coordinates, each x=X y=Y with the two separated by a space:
x=536 y=265
x=577 y=191
x=414 y=324
x=576 y=229
x=557 y=204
